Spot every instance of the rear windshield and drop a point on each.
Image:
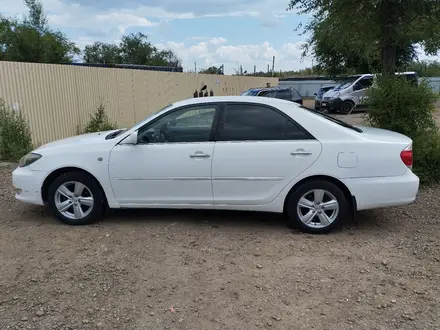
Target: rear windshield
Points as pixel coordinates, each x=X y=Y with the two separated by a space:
x=333 y=119
x=251 y=92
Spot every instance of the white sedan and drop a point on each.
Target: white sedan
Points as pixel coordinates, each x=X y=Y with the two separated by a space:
x=234 y=153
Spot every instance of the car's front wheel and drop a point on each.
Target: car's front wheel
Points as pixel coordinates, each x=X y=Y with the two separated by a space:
x=76 y=198
x=346 y=107
x=317 y=207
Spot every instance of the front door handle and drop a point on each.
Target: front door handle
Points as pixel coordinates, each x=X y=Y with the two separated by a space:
x=301 y=152
x=199 y=154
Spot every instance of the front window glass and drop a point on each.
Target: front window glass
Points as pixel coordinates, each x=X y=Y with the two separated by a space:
x=191 y=124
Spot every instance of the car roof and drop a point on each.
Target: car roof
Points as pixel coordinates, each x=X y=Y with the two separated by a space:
x=243 y=99
x=272 y=88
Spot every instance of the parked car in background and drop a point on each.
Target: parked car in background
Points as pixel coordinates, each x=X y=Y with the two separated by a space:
x=319 y=95
x=278 y=92
x=284 y=158
x=350 y=92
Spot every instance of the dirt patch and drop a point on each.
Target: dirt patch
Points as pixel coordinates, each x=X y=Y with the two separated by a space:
x=218 y=270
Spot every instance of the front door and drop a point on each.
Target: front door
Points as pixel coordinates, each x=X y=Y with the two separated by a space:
x=360 y=89
x=258 y=152
x=171 y=164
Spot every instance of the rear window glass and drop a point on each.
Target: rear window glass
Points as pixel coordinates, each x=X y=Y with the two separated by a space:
x=251 y=92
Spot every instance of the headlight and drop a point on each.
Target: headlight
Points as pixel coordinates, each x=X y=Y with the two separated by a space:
x=28 y=159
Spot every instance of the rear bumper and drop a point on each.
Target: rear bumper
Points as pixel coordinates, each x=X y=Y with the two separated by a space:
x=371 y=193
x=28 y=185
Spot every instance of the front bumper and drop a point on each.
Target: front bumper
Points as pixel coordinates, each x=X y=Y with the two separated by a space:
x=27 y=184
x=331 y=105
x=318 y=104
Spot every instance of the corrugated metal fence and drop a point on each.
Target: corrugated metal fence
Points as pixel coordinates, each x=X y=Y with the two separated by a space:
x=307 y=88
x=55 y=99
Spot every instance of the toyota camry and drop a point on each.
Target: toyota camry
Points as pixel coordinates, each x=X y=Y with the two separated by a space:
x=229 y=152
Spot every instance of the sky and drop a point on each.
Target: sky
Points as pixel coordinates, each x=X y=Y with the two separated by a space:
x=208 y=33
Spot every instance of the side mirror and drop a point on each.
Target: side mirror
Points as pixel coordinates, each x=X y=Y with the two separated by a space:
x=132 y=139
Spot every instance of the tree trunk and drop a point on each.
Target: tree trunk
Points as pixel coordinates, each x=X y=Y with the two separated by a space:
x=388 y=59
x=388 y=40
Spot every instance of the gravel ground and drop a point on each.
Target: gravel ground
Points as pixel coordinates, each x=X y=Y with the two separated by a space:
x=158 y=269
x=218 y=270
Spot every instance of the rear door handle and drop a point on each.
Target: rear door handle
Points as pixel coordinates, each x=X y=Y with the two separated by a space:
x=199 y=154
x=301 y=153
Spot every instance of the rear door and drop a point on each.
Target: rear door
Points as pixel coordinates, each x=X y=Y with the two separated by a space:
x=284 y=94
x=258 y=151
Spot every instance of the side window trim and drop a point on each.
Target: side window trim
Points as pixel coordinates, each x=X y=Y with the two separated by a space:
x=224 y=106
x=218 y=106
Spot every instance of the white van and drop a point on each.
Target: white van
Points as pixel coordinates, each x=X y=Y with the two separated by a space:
x=349 y=93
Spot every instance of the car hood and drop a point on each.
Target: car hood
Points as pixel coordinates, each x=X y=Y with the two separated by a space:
x=83 y=139
x=331 y=94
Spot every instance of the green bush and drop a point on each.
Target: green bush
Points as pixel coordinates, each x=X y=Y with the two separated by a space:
x=15 y=135
x=396 y=104
x=427 y=157
x=99 y=122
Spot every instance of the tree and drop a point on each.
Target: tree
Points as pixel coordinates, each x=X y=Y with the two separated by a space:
x=133 y=49
x=32 y=40
x=378 y=35
x=102 y=53
x=426 y=68
x=212 y=70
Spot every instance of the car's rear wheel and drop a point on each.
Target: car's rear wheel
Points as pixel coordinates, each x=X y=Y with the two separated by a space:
x=317 y=207
x=76 y=198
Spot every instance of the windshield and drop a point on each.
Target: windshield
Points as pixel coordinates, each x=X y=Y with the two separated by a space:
x=333 y=119
x=323 y=90
x=251 y=92
x=345 y=83
x=115 y=134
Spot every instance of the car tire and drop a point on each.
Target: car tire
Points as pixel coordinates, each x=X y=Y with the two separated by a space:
x=76 y=198
x=346 y=107
x=310 y=213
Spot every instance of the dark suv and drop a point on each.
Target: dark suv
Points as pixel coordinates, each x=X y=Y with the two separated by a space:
x=278 y=92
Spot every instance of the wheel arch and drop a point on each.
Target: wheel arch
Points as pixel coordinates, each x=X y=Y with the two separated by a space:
x=351 y=199
x=56 y=173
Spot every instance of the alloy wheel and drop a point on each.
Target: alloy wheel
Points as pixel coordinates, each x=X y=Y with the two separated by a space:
x=318 y=208
x=74 y=200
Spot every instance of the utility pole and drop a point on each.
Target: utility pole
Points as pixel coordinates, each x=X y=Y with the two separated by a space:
x=312 y=65
x=195 y=67
x=273 y=66
x=268 y=70
x=241 y=70
x=255 y=69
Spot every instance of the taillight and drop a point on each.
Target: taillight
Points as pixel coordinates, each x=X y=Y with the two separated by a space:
x=407 y=156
